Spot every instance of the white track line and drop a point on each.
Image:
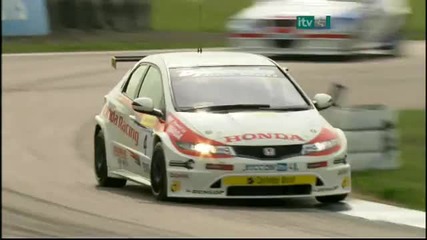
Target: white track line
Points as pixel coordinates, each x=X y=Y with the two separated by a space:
x=387 y=213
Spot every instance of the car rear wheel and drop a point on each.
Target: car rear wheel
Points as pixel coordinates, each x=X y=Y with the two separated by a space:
x=101 y=168
x=331 y=198
x=159 y=181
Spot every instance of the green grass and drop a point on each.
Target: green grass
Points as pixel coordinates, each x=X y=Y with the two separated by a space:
x=416 y=24
x=183 y=15
x=406 y=185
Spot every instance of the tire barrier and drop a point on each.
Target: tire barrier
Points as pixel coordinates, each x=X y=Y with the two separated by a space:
x=371 y=132
x=89 y=15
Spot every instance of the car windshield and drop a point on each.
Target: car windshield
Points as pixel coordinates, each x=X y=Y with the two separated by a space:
x=239 y=87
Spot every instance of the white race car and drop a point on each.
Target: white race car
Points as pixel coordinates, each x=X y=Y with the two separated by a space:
x=355 y=26
x=218 y=125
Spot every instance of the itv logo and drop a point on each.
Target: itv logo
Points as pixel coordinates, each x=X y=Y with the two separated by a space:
x=311 y=22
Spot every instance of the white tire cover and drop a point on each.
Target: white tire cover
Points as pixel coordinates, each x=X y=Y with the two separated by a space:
x=365 y=161
x=371 y=141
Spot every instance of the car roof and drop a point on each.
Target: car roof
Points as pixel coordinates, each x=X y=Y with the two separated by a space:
x=194 y=59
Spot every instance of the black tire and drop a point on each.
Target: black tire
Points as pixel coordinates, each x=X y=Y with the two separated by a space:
x=331 y=198
x=159 y=182
x=100 y=164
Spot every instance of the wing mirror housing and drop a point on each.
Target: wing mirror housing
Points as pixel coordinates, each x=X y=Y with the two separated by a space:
x=145 y=105
x=322 y=101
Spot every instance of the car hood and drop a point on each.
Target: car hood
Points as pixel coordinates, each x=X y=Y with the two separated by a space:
x=256 y=128
x=286 y=8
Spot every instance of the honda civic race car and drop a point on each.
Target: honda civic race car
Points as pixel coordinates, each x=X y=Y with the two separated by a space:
x=218 y=125
x=355 y=26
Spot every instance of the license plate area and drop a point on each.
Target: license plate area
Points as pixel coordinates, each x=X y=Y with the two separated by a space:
x=269 y=180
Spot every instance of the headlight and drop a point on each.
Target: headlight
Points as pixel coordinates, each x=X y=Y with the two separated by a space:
x=319 y=146
x=206 y=149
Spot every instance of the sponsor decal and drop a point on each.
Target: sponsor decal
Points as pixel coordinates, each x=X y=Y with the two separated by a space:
x=119 y=152
x=178 y=175
x=146 y=167
x=259 y=136
x=121 y=155
x=269 y=180
x=175 y=129
x=343 y=171
x=213 y=166
x=325 y=189
x=117 y=120
x=148 y=121
x=135 y=157
x=260 y=167
x=280 y=167
x=345 y=182
x=210 y=192
x=313 y=22
x=187 y=164
x=176 y=186
x=123 y=162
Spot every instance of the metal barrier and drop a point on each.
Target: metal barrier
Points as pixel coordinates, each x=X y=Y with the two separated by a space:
x=371 y=132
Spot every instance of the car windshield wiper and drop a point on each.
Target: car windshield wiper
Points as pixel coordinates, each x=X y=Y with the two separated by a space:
x=228 y=107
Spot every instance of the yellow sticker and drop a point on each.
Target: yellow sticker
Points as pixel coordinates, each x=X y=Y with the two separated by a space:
x=148 y=121
x=176 y=186
x=345 y=182
x=269 y=180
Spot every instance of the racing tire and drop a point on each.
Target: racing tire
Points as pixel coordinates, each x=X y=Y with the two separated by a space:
x=331 y=198
x=159 y=181
x=100 y=164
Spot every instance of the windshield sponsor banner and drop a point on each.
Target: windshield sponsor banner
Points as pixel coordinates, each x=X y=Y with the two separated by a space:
x=269 y=71
x=226 y=72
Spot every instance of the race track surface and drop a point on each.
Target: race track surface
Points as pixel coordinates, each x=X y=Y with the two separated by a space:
x=49 y=188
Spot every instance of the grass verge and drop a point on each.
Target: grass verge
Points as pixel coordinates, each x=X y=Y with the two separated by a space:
x=406 y=185
x=74 y=40
x=416 y=23
x=183 y=15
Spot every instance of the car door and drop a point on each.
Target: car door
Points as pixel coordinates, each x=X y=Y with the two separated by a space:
x=127 y=136
x=151 y=87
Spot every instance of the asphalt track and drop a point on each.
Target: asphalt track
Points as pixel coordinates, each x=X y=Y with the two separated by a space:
x=48 y=184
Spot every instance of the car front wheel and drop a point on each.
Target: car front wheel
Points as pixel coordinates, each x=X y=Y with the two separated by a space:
x=101 y=168
x=159 y=181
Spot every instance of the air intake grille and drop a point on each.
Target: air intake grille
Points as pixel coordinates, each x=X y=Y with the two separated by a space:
x=258 y=152
x=269 y=190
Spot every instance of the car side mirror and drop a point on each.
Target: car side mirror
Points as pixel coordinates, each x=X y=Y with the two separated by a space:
x=322 y=101
x=145 y=105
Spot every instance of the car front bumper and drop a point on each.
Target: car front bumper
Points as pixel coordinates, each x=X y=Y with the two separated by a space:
x=189 y=178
